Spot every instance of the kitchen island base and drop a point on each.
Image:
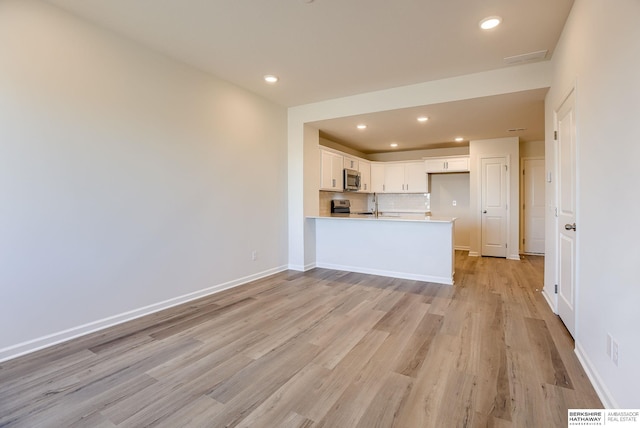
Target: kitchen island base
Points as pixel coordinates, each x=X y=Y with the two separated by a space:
x=409 y=249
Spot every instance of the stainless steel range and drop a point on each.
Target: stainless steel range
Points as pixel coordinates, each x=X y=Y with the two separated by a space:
x=341 y=206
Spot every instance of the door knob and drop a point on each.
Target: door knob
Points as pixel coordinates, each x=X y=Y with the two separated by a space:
x=484 y=212
x=570 y=226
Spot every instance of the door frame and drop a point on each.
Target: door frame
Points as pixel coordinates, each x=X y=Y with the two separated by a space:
x=508 y=173
x=522 y=194
x=573 y=90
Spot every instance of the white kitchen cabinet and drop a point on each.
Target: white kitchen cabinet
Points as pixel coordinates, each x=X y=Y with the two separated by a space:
x=365 y=176
x=454 y=164
x=394 y=178
x=331 y=167
x=377 y=177
x=458 y=164
x=415 y=178
x=351 y=163
x=399 y=177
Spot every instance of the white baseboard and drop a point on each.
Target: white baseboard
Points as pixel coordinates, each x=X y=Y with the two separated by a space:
x=603 y=393
x=473 y=254
x=39 y=343
x=461 y=247
x=514 y=257
x=549 y=301
x=391 y=274
x=302 y=268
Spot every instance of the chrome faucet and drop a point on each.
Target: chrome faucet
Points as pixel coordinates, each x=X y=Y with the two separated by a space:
x=375 y=201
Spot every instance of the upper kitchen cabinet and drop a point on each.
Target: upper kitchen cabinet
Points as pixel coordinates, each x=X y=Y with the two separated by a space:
x=331 y=167
x=399 y=177
x=415 y=177
x=393 y=178
x=351 y=163
x=365 y=176
x=377 y=177
x=454 y=164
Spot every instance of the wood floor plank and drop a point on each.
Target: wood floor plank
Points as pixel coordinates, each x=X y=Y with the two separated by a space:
x=319 y=348
x=383 y=410
x=327 y=390
x=196 y=414
x=420 y=343
x=287 y=398
x=552 y=367
x=426 y=397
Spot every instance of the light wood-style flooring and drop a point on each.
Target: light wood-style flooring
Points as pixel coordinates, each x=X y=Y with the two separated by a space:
x=319 y=349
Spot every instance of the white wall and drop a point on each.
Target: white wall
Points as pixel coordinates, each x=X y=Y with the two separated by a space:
x=508 y=147
x=341 y=148
x=127 y=181
x=531 y=149
x=446 y=188
x=599 y=53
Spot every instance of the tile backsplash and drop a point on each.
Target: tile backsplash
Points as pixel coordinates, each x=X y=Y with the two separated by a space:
x=404 y=202
x=387 y=202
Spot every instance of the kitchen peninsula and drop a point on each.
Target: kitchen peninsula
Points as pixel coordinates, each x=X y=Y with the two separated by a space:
x=394 y=246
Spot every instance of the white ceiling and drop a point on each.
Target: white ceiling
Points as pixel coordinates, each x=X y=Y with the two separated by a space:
x=334 y=48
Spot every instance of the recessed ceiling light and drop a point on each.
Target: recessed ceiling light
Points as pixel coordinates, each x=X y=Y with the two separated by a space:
x=362 y=126
x=423 y=119
x=270 y=78
x=459 y=139
x=394 y=144
x=490 y=22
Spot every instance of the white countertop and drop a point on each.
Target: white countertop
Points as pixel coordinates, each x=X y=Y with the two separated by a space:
x=410 y=218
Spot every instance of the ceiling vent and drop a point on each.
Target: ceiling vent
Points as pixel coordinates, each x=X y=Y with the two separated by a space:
x=531 y=56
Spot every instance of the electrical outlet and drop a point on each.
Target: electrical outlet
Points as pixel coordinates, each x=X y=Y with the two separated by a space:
x=454 y=203
x=254 y=255
x=609 y=345
x=614 y=353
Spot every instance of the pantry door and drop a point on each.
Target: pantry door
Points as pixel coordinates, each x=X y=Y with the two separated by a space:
x=494 y=206
x=533 y=205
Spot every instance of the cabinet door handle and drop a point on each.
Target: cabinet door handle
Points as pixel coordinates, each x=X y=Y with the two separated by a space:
x=446 y=165
x=365 y=186
x=333 y=180
x=383 y=188
x=407 y=187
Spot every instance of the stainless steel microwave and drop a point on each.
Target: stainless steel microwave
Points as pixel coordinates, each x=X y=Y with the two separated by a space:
x=351 y=180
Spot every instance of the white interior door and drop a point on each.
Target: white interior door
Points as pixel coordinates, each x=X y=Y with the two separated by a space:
x=533 y=205
x=494 y=206
x=565 y=125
